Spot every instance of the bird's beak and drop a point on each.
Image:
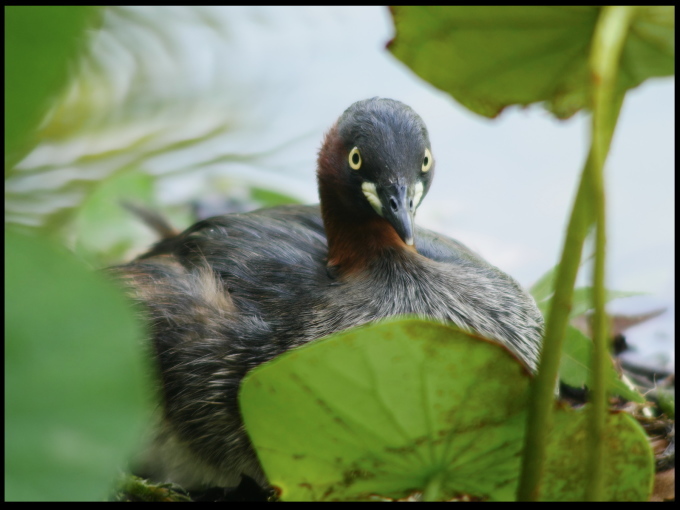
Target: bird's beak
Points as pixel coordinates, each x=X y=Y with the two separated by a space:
x=400 y=214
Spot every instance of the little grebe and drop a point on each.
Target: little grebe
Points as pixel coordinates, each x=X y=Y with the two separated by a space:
x=237 y=290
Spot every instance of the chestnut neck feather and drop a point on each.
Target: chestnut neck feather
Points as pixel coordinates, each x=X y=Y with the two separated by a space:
x=356 y=235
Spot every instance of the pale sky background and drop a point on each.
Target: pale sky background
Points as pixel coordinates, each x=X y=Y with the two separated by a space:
x=267 y=82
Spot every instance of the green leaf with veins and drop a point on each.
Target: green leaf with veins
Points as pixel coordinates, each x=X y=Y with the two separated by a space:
x=395 y=407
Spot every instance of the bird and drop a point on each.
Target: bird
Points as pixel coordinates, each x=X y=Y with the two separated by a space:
x=237 y=290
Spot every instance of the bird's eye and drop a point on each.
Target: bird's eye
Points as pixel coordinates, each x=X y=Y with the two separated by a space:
x=427 y=161
x=355 y=159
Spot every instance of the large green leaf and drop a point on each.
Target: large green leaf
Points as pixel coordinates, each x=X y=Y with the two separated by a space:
x=392 y=408
x=488 y=58
x=74 y=376
x=39 y=41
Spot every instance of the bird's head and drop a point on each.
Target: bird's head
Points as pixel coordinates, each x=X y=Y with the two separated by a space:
x=376 y=161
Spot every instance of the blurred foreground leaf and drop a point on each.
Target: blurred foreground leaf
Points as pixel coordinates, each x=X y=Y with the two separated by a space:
x=408 y=405
x=74 y=376
x=489 y=58
x=39 y=42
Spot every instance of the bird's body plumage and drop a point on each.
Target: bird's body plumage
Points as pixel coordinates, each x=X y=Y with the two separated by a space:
x=237 y=290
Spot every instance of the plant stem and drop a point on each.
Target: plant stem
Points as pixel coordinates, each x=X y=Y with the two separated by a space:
x=431 y=492
x=609 y=38
x=583 y=214
x=542 y=387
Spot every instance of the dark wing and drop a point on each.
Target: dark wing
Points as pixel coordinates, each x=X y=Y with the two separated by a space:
x=264 y=258
x=300 y=220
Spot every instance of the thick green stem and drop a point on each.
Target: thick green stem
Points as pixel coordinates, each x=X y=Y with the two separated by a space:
x=588 y=206
x=610 y=35
x=432 y=489
x=542 y=387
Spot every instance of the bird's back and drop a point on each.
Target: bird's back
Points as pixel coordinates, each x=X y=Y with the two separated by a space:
x=272 y=264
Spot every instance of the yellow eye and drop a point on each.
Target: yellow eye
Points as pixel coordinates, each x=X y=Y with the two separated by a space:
x=427 y=161
x=355 y=159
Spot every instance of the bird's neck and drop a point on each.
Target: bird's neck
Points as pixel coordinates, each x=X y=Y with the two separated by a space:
x=355 y=240
x=356 y=235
